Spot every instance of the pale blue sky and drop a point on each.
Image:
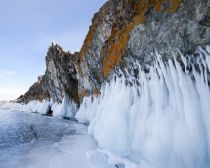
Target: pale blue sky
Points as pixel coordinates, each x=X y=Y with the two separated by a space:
x=27 y=28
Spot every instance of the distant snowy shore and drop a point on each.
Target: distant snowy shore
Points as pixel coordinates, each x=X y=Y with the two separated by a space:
x=3 y=103
x=45 y=107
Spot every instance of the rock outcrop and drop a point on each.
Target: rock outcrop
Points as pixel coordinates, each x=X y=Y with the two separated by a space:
x=38 y=91
x=61 y=73
x=123 y=33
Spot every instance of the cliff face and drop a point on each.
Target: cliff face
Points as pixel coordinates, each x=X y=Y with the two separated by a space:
x=123 y=33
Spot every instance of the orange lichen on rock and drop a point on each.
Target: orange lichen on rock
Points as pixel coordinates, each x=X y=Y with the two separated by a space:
x=84 y=93
x=92 y=29
x=156 y=4
x=96 y=92
x=139 y=6
x=88 y=41
x=120 y=36
x=118 y=40
x=142 y=6
x=174 y=6
x=138 y=19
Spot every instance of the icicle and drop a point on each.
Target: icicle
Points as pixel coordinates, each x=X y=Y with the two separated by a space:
x=166 y=124
x=67 y=109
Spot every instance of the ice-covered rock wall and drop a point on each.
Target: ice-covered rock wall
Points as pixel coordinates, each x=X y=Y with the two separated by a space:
x=123 y=33
x=157 y=115
x=159 y=120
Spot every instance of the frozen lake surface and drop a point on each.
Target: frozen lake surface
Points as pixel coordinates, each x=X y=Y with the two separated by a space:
x=30 y=140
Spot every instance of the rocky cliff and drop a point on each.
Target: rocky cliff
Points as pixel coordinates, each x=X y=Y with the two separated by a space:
x=123 y=33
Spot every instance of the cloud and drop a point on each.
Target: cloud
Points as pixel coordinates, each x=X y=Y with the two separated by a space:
x=7 y=73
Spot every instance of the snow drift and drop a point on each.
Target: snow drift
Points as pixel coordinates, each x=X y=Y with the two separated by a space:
x=161 y=120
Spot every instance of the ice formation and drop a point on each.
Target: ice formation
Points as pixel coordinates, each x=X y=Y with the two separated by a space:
x=41 y=107
x=161 y=120
x=65 y=109
x=37 y=106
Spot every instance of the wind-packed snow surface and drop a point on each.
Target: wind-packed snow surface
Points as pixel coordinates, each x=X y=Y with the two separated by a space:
x=162 y=120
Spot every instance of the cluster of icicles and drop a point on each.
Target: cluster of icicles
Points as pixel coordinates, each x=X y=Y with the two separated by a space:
x=163 y=121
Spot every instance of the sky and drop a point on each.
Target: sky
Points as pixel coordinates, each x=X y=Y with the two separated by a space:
x=28 y=27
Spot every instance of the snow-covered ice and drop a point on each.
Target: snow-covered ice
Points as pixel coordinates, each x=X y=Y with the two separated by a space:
x=30 y=140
